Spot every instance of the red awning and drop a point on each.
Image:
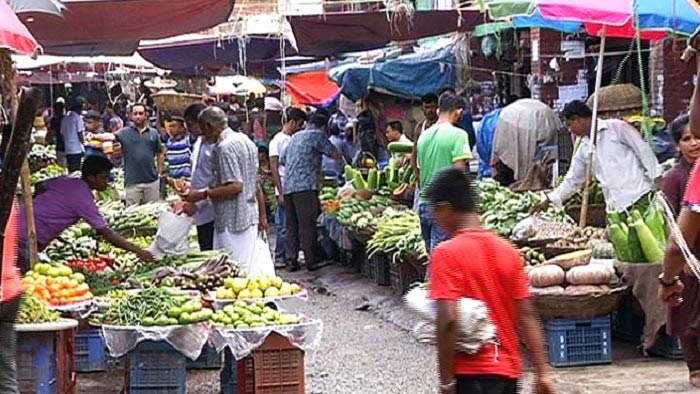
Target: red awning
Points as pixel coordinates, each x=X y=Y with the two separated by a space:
x=114 y=27
x=312 y=88
x=332 y=34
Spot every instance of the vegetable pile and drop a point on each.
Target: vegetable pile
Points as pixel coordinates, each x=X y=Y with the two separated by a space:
x=48 y=172
x=241 y=315
x=398 y=235
x=57 y=285
x=637 y=238
x=359 y=213
x=206 y=276
x=41 y=157
x=33 y=310
x=135 y=217
x=571 y=274
x=74 y=242
x=155 y=306
x=580 y=238
x=255 y=287
x=532 y=256
x=503 y=209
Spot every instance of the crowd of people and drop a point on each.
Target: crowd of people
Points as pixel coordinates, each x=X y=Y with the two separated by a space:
x=208 y=147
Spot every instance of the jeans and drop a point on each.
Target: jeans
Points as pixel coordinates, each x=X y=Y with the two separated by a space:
x=432 y=233
x=280 y=244
x=205 y=236
x=8 y=345
x=486 y=384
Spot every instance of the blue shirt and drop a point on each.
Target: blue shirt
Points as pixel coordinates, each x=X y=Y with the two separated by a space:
x=302 y=160
x=179 y=156
x=484 y=142
x=337 y=166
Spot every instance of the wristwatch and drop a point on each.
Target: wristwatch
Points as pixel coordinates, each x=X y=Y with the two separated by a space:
x=666 y=285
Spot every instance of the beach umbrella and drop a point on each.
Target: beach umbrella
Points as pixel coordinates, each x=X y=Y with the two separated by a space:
x=13 y=34
x=641 y=19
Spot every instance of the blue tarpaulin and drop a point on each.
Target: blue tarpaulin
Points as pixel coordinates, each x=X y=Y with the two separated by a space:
x=410 y=76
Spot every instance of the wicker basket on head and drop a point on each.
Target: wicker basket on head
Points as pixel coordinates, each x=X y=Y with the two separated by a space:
x=618 y=101
x=175 y=103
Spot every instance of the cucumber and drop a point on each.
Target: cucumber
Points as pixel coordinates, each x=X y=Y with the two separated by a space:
x=400 y=147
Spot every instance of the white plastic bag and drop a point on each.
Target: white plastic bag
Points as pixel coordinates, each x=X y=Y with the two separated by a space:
x=263 y=264
x=171 y=238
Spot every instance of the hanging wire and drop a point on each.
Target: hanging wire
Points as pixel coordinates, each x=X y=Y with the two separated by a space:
x=618 y=73
x=646 y=126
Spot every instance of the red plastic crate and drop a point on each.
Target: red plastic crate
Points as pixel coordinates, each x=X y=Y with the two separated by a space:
x=276 y=367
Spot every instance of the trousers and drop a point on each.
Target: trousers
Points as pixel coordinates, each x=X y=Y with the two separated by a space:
x=486 y=385
x=301 y=211
x=141 y=193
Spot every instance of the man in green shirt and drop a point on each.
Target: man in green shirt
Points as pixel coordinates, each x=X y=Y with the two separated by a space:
x=142 y=148
x=442 y=145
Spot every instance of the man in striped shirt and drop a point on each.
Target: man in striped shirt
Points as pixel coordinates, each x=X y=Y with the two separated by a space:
x=179 y=150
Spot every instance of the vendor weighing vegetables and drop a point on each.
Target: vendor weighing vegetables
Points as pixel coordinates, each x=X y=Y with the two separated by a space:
x=61 y=202
x=623 y=164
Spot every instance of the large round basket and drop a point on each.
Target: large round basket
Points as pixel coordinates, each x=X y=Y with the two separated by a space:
x=622 y=97
x=175 y=103
x=589 y=305
x=595 y=217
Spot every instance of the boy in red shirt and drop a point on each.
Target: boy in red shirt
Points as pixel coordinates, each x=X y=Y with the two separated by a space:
x=477 y=264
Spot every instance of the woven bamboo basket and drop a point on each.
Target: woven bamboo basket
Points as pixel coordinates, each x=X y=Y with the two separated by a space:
x=618 y=101
x=175 y=103
x=589 y=305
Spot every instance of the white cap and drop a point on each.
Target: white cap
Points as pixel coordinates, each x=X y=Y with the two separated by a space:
x=273 y=104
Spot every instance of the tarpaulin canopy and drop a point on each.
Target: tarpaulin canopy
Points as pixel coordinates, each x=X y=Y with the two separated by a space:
x=13 y=34
x=332 y=34
x=312 y=88
x=114 y=27
x=210 y=55
x=72 y=64
x=410 y=76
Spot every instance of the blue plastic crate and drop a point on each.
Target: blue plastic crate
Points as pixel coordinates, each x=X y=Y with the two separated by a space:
x=155 y=367
x=209 y=359
x=37 y=370
x=90 y=351
x=579 y=341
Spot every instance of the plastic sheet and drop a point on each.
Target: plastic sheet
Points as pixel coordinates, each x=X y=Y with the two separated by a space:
x=188 y=340
x=475 y=328
x=306 y=336
x=81 y=309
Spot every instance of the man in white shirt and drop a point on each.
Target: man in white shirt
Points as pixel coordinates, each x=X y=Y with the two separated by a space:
x=295 y=119
x=623 y=162
x=72 y=128
x=202 y=178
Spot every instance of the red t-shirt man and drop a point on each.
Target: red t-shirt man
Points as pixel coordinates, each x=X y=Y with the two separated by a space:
x=479 y=265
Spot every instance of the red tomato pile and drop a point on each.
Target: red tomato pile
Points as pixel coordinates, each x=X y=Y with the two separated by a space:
x=93 y=264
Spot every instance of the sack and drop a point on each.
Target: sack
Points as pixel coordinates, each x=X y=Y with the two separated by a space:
x=264 y=264
x=474 y=327
x=171 y=238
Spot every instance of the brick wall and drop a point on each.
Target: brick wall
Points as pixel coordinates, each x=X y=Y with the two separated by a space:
x=671 y=79
x=550 y=44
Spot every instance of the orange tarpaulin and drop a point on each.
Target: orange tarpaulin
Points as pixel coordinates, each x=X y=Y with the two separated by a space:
x=312 y=88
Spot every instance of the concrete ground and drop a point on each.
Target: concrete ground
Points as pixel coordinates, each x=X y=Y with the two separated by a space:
x=367 y=348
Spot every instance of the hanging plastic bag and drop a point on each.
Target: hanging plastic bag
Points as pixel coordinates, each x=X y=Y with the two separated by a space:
x=171 y=238
x=264 y=265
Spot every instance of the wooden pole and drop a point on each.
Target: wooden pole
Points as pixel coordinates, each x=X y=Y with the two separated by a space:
x=594 y=130
x=8 y=73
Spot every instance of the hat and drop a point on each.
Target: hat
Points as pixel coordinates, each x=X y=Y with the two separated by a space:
x=92 y=114
x=273 y=104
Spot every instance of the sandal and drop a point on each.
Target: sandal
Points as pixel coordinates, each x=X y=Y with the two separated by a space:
x=694 y=378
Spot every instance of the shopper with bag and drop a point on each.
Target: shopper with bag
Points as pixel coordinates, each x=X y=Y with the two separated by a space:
x=475 y=263
x=239 y=206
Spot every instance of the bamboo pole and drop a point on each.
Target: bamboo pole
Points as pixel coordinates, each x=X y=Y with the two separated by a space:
x=594 y=130
x=9 y=75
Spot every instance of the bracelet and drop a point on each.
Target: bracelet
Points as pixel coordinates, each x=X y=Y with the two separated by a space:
x=448 y=386
x=666 y=285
